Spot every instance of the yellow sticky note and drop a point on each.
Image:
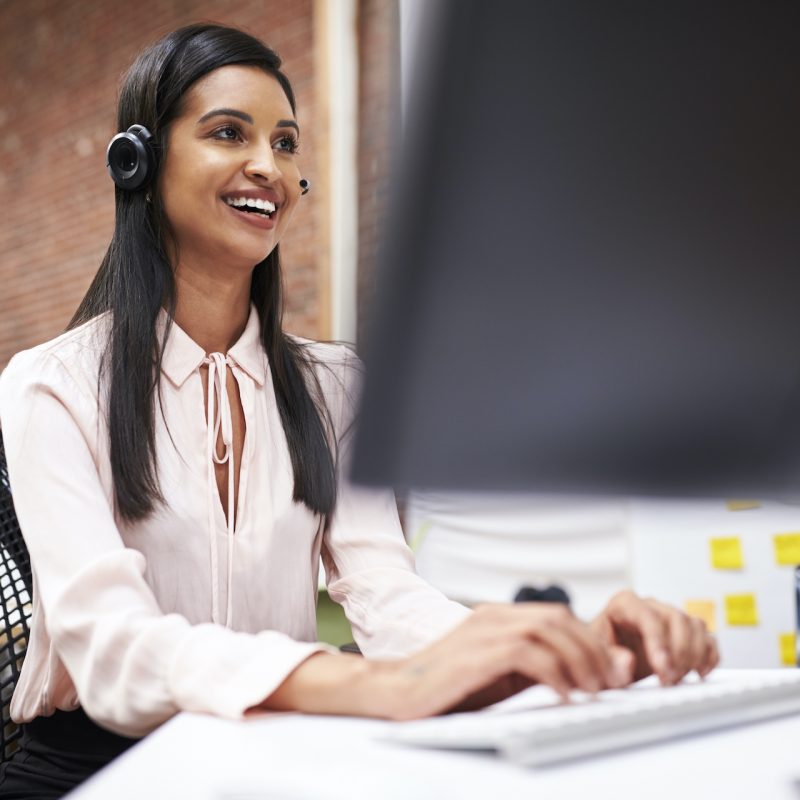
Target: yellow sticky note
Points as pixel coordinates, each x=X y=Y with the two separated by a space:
x=787 y=548
x=742 y=505
x=726 y=553
x=704 y=610
x=740 y=609
x=788 y=645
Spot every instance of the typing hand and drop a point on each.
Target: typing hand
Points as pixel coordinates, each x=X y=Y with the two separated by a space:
x=663 y=639
x=502 y=649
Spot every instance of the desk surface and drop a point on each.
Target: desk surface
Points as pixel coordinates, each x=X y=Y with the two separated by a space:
x=296 y=757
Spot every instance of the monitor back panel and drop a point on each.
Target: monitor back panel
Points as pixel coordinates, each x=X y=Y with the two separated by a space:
x=591 y=277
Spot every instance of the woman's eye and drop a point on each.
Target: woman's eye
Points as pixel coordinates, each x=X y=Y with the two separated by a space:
x=227 y=132
x=287 y=144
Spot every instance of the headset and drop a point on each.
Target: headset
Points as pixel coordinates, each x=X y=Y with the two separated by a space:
x=130 y=158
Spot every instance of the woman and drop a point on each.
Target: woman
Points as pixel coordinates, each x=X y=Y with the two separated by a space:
x=176 y=463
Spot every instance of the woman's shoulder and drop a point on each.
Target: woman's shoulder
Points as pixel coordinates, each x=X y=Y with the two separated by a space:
x=338 y=370
x=337 y=358
x=77 y=351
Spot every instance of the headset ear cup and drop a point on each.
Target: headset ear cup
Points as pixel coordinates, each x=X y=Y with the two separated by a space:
x=130 y=158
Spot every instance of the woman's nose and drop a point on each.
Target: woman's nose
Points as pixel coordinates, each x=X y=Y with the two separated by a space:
x=262 y=164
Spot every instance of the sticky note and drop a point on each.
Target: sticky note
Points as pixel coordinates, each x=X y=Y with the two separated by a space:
x=740 y=609
x=726 y=553
x=742 y=505
x=787 y=548
x=704 y=610
x=788 y=646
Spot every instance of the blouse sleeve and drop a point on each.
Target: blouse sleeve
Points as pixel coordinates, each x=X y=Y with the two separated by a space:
x=132 y=665
x=369 y=567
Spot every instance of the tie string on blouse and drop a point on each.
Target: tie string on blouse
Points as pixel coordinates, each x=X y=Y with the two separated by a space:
x=219 y=419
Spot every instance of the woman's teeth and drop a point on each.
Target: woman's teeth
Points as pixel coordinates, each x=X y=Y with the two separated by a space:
x=252 y=205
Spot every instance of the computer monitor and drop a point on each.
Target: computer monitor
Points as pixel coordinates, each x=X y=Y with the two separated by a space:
x=591 y=276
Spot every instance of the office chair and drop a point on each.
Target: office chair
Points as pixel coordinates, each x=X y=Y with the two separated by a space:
x=16 y=590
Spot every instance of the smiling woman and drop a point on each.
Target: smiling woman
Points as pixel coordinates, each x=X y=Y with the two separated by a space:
x=178 y=467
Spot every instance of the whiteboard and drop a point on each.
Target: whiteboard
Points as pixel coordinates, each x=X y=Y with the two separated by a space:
x=671 y=559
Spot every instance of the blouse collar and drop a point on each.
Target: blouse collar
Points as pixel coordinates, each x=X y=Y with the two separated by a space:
x=182 y=355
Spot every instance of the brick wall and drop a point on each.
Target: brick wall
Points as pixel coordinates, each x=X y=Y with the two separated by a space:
x=60 y=66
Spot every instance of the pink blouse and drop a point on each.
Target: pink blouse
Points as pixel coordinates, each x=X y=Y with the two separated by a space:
x=188 y=611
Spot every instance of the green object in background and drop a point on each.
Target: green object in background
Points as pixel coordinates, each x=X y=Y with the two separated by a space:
x=419 y=536
x=332 y=625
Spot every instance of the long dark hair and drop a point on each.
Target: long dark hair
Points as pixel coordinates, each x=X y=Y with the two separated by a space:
x=135 y=281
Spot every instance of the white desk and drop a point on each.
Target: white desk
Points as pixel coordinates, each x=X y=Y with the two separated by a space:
x=295 y=757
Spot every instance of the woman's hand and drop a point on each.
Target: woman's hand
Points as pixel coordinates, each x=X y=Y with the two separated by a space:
x=500 y=650
x=663 y=639
x=497 y=651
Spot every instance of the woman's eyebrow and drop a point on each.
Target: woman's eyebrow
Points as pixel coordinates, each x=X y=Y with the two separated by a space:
x=226 y=112
x=287 y=123
x=233 y=112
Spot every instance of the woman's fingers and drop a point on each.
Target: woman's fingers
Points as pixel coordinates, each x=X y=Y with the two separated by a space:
x=631 y=613
x=585 y=660
x=585 y=656
x=693 y=646
x=673 y=642
x=704 y=655
x=624 y=666
x=699 y=649
x=680 y=639
x=539 y=664
x=600 y=660
x=580 y=665
x=712 y=654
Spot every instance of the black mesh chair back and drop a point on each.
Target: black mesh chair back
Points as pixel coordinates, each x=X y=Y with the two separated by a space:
x=16 y=591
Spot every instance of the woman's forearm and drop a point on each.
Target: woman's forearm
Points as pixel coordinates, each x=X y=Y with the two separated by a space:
x=330 y=683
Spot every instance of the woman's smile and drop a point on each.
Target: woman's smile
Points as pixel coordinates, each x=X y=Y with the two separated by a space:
x=259 y=207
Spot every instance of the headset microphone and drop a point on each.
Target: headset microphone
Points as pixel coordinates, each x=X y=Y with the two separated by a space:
x=130 y=158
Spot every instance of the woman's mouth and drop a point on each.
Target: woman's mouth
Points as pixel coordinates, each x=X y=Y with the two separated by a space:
x=260 y=213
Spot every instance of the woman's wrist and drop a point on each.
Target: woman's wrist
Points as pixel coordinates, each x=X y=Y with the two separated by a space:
x=332 y=683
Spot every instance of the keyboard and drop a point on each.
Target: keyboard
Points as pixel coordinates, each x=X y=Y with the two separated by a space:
x=535 y=729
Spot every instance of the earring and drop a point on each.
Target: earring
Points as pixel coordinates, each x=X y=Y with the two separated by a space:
x=304 y=185
x=148 y=198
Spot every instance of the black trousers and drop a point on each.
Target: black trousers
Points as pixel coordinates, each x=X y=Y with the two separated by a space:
x=56 y=754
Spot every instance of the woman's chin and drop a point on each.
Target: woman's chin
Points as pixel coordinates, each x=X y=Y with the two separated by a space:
x=255 y=251
x=249 y=257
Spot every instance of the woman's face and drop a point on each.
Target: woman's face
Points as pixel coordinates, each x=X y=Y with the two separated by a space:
x=236 y=139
